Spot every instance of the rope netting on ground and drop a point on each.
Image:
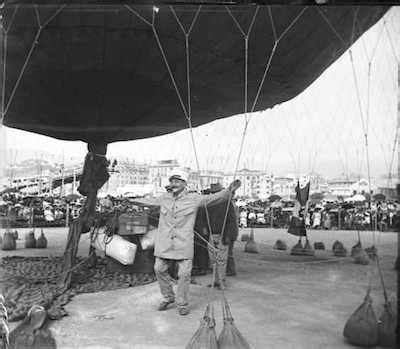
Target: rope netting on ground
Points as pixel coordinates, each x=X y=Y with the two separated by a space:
x=28 y=281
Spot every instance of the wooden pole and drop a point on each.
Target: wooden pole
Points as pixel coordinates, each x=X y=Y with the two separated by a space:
x=272 y=217
x=62 y=182
x=51 y=184
x=67 y=216
x=73 y=181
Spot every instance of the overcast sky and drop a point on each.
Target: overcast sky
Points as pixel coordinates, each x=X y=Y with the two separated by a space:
x=319 y=130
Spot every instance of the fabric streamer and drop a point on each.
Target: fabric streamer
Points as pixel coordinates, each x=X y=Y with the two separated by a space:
x=297 y=226
x=95 y=172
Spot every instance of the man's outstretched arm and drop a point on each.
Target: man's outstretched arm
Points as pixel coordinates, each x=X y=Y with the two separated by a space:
x=220 y=197
x=147 y=201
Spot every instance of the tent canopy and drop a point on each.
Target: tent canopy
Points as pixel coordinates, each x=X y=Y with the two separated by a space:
x=356 y=198
x=330 y=197
x=97 y=72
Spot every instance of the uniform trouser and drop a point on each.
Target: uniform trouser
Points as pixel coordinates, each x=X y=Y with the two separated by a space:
x=219 y=258
x=164 y=279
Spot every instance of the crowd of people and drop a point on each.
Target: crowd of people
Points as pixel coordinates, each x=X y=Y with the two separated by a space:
x=17 y=210
x=382 y=215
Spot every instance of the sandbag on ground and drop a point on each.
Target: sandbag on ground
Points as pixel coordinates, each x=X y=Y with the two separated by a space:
x=308 y=250
x=319 y=245
x=388 y=319
x=230 y=337
x=361 y=328
x=387 y=327
x=356 y=249
x=205 y=336
x=361 y=257
x=33 y=332
x=251 y=245
x=280 y=245
x=372 y=252
x=297 y=249
x=244 y=237
x=338 y=249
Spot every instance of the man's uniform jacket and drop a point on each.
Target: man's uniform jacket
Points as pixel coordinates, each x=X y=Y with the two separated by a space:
x=174 y=238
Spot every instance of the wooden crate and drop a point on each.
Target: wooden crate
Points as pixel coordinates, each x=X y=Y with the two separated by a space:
x=130 y=224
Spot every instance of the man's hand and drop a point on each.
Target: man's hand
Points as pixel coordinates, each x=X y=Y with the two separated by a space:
x=235 y=185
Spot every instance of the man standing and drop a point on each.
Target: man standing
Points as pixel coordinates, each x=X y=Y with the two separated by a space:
x=174 y=240
x=228 y=227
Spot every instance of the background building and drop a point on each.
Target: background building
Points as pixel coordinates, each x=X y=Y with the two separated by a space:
x=207 y=178
x=126 y=172
x=159 y=173
x=284 y=186
x=349 y=186
x=251 y=182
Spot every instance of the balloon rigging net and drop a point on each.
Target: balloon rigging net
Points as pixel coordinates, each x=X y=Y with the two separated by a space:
x=186 y=107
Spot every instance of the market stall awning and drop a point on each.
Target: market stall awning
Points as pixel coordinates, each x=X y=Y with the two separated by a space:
x=97 y=72
x=330 y=197
x=356 y=198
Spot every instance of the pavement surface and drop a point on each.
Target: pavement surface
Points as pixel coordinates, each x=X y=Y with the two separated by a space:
x=277 y=300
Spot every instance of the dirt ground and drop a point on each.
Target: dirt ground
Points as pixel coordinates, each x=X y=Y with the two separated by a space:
x=277 y=300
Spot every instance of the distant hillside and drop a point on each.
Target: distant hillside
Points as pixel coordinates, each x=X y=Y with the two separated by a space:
x=43 y=163
x=21 y=154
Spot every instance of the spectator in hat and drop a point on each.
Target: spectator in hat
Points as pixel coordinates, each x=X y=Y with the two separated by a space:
x=201 y=259
x=229 y=234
